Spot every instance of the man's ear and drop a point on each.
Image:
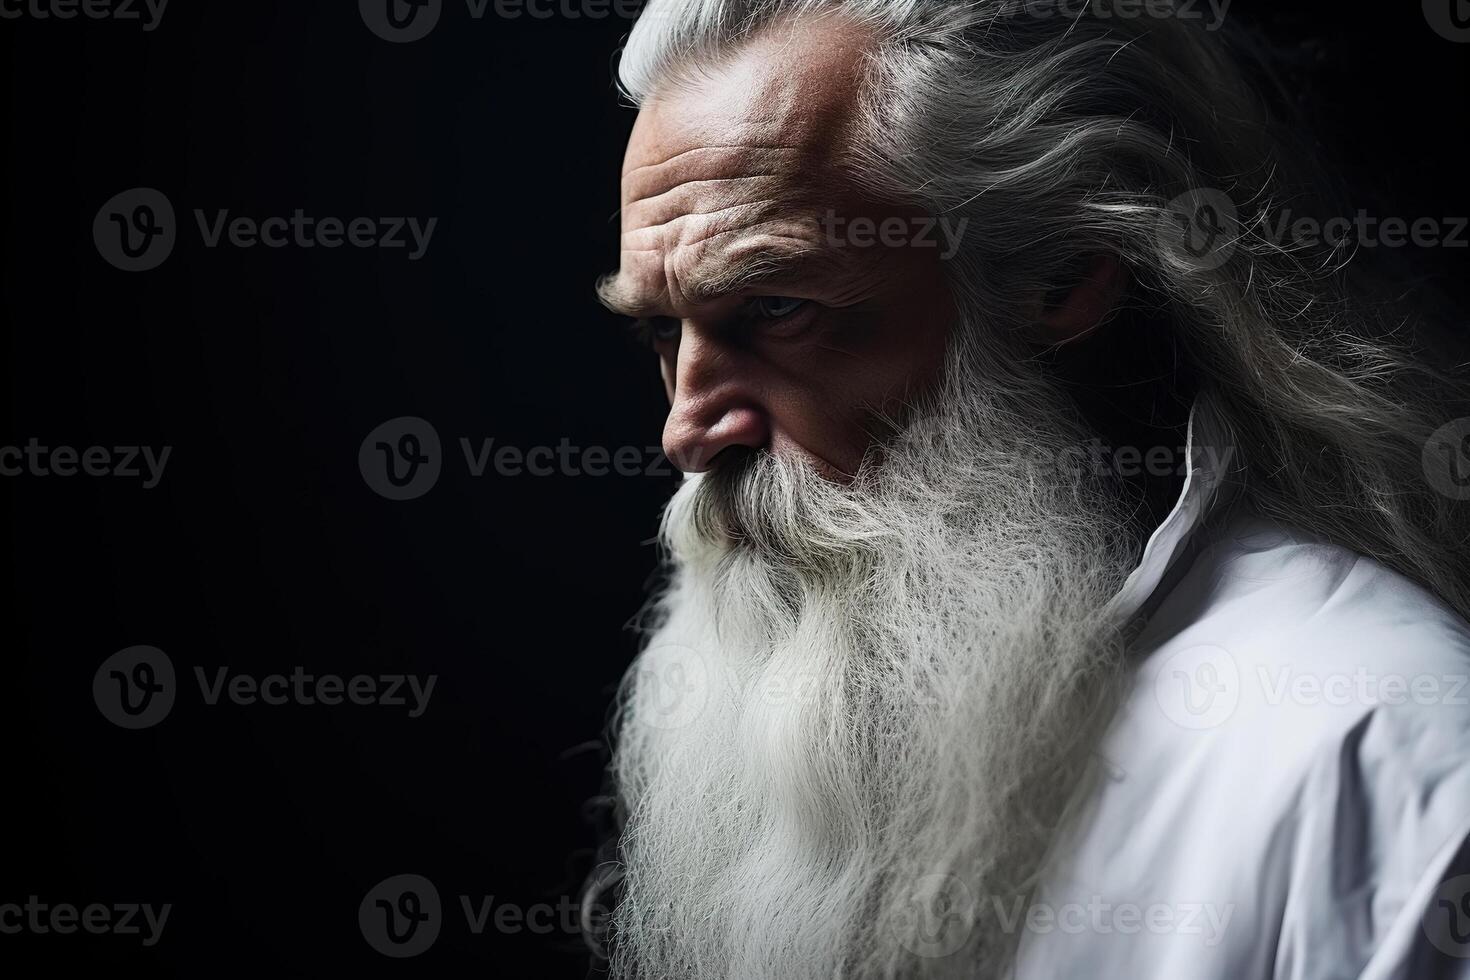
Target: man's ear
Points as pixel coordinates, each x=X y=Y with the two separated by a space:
x=1085 y=306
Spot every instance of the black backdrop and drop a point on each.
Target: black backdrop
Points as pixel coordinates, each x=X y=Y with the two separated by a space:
x=263 y=549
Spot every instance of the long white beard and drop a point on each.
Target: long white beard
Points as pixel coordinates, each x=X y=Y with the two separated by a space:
x=863 y=711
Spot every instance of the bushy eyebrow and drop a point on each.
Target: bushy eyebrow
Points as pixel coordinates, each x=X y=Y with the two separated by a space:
x=613 y=293
x=768 y=267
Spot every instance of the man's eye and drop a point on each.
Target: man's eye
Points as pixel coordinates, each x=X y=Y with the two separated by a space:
x=653 y=331
x=775 y=307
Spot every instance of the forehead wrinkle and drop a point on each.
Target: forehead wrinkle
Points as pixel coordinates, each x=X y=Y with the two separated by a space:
x=711 y=274
x=695 y=198
x=753 y=263
x=788 y=88
x=766 y=261
x=696 y=163
x=784 y=238
x=780 y=108
x=686 y=230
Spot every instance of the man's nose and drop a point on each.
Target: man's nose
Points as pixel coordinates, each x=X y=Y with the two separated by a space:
x=713 y=409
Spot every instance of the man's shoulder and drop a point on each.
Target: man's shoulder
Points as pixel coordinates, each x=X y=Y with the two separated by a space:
x=1334 y=657
x=1274 y=635
x=1312 y=706
x=1296 y=666
x=1277 y=641
x=1283 y=603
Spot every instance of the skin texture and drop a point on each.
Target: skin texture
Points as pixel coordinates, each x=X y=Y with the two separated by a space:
x=775 y=328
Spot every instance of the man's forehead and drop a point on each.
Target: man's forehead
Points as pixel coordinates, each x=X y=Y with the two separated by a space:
x=785 y=98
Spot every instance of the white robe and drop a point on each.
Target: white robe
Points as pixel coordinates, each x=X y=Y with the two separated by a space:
x=1287 y=789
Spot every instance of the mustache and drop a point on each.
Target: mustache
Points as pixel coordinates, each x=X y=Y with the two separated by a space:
x=721 y=498
x=779 y=508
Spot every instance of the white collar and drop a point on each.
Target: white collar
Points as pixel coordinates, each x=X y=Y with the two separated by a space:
x=1208 y=451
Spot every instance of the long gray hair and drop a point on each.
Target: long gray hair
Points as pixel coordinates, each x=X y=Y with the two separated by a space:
x=1065 y=136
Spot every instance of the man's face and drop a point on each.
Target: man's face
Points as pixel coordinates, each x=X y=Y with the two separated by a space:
x=775 y=327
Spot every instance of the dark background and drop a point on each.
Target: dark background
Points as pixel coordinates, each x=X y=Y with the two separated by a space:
x=263 y=548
